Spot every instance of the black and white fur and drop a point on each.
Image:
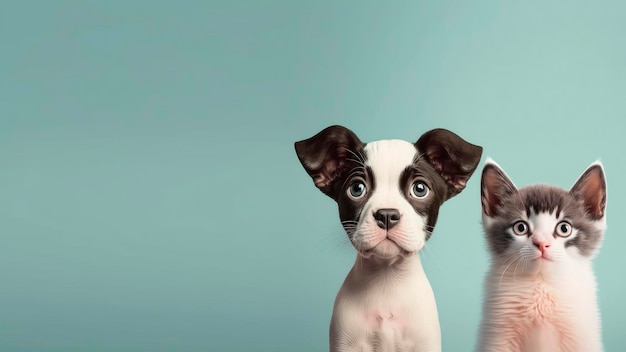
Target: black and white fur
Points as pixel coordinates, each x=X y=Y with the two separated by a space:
x=389 y=193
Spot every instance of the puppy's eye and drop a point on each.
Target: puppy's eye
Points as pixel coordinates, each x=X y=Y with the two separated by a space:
x=419 y=190
x=357 y=190
x=564 y=229
x=520 y=228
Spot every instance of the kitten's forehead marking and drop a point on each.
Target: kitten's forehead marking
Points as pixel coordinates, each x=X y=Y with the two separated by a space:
x=543 y=224
x=544 y=218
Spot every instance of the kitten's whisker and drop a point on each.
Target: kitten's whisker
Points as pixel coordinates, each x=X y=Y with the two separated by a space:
x=514 y=258
x=525 y=263
x=522 y=260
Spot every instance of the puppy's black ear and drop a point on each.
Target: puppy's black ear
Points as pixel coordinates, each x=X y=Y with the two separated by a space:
x=325 y=155
x=453 y=157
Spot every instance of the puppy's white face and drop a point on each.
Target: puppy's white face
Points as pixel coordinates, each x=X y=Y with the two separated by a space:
x=389 y=201
x=388 y=192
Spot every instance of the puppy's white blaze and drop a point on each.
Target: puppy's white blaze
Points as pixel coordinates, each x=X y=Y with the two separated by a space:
x=388 y=159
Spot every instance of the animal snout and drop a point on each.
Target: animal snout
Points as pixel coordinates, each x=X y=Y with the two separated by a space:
x=542 y=245
x=387 y=218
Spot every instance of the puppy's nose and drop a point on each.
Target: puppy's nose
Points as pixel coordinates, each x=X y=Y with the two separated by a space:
x=387 y=218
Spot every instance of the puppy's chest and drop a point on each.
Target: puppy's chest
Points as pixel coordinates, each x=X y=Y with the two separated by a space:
x=386 y=320
x=384 y=315
x=391 y=323
x=389 y=329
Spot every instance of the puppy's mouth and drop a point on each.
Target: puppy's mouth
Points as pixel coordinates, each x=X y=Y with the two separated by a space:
x=386 y=249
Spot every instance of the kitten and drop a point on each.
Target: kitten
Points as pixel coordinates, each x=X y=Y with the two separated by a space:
x=540 y=290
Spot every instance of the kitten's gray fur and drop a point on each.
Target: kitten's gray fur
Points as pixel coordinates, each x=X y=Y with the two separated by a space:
x=544 y=198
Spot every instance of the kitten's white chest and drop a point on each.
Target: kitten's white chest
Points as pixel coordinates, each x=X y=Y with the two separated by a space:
x=538 y=315
x=540 y=305
x=542 y=337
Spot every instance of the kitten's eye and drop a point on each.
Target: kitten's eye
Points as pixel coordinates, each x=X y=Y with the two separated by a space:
x=520 y=228
x=419 y=190
x=357 y=190
x=564 y=229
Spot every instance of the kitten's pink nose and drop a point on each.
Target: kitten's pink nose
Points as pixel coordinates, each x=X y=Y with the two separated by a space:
x=542 y=245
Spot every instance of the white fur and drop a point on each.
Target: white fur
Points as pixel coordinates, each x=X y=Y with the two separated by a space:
x=386 y=302
x=537 y=304
x=388 y=159
x=383 y=307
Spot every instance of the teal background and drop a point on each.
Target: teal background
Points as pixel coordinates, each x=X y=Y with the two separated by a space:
x=150 y=196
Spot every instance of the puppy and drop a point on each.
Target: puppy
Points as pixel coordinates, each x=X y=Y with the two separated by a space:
x=389 y=193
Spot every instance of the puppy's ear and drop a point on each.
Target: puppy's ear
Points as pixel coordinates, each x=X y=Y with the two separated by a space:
x=453 y=157
x=325 y=155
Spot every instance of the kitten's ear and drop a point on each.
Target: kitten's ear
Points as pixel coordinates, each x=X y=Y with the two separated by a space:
x=591 y=190
x=324 y=155
x=454 y=158
x=495 y=185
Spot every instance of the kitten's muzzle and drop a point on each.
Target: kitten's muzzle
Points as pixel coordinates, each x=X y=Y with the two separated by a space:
x=387 y=218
